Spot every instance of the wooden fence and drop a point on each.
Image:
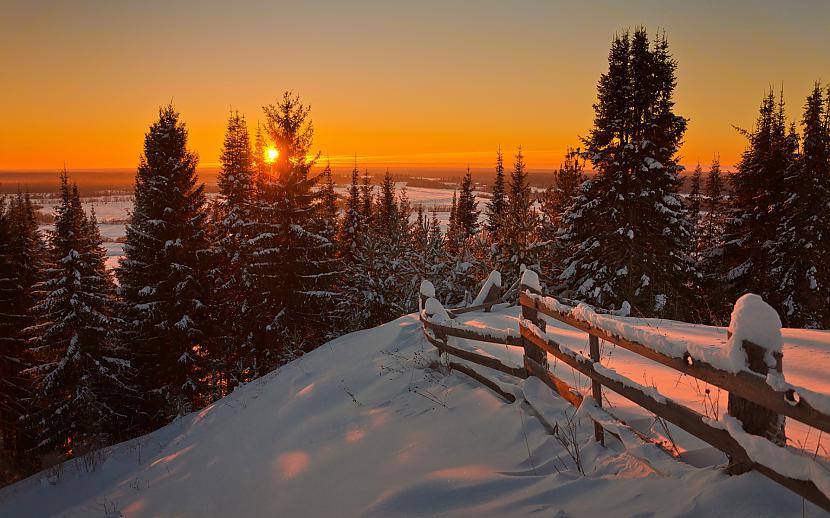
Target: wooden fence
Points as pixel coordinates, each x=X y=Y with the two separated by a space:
x=752 y=400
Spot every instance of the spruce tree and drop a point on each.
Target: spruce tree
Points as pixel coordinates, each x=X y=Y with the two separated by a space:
x=627 y=236
x=554 y=202
x=466 y=212
x=754 y=213
x=21 y=268
x=231 y=349
x=293 y=264
x=328 y=205
x=160 y=276
x=497 y=206
x=710 y=262
x=79 y=376
x=801 y=248
x=351 y=221
x=695 y=206
x=520 y=225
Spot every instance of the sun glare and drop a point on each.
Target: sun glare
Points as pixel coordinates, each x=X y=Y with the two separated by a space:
x=272 y=154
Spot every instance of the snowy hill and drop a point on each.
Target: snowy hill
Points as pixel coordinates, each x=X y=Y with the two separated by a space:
x=371 y=425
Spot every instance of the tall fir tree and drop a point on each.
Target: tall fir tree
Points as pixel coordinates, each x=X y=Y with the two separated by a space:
x=710 y=261
x=754 y=213
x=161 y=279
x=231 y=348
x=627 y=235
x=497 y=206
x=801 y=248
x=466 y=211
x=82 y=390
x=519 y=242
x=293 y=263
x=695 y=199
x=327 y=209
x=351 y=221
x=21 y=268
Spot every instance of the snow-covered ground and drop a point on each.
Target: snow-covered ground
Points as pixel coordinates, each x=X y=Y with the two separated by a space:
x=370 y=424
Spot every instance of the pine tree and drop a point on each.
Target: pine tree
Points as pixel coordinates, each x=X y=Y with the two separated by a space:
x=801 y=249
x=710 y=263
x=695 y=206
x=21 y=268
x=754 y=213
x=351 y=221
x=715 y=192
x=293 y=264
x=497 y=206
x=81 y=383
x=328 y=205
x=366 y=198
x=466 y=212
x=386 y=217
x=160 y=276
x=231 y=348
x=627 y=236
x=520 y=225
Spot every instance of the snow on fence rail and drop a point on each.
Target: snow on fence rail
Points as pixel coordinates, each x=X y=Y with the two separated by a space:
x=749 y=369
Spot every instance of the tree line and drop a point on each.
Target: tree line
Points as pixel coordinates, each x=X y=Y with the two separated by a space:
x=212 y=294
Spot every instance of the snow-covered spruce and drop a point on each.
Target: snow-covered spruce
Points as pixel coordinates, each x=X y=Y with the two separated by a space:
x=82 y=393
x=627 y=236
x=162 y=279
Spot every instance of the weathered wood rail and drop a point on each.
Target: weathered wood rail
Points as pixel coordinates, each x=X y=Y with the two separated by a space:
x=748 y=388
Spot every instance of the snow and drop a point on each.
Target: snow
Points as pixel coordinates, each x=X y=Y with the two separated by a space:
x=370 y=425
x=435 y=311
x=755 y=321
x=783 y=460
x=427 y=289
x=494 y=279
x=531 y=280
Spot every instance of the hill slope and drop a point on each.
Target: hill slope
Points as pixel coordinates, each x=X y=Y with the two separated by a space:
x=371 y=425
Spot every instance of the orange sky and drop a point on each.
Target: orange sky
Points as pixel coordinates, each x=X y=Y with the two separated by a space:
x=431 y=83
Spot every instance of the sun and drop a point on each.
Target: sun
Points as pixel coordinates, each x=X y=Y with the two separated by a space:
x=271 y=155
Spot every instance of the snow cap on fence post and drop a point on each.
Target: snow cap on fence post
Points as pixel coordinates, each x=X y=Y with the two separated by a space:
x=755 y=321
x=435 y=311
x=490 y=291
x=754 y=345
x=530 y=279
x=426 y=291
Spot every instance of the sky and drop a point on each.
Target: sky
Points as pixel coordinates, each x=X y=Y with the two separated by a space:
x=401 y=85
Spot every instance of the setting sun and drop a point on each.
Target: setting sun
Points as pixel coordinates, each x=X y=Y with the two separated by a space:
x=271 y=155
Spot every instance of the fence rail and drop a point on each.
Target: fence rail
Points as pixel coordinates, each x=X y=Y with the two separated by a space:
x=752 y=395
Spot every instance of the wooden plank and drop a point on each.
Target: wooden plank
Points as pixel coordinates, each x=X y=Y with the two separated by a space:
x=557 y=385
x=472 y=334
x=596 y=388
x=484 y=381
x=485 y=361
x=685 y=418
x=749 y=386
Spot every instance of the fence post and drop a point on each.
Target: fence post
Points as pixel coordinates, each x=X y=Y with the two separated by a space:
x=756 y=419
x=530 y=282
x=596 y=387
